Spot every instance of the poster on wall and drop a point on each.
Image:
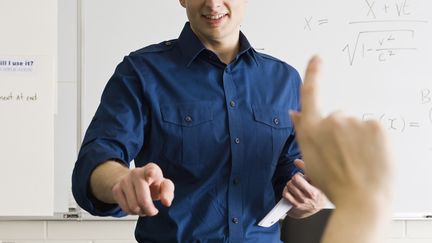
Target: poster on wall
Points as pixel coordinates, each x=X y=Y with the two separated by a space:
x=28 y=51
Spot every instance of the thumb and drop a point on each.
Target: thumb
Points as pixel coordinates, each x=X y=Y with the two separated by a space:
x=300 y=164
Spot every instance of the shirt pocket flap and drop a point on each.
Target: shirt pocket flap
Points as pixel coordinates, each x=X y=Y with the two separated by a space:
x=274 y=117
x=187 y=115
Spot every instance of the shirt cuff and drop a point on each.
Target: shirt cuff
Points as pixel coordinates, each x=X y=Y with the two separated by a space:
x=81 y=184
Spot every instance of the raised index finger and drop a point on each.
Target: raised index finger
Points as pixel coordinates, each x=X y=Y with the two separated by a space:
x=309 y=91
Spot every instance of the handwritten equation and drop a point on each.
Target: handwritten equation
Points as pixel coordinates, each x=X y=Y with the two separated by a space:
x=376 y=9
x=374 y=42
x=379 y=48
x=400 y=123
x=393 y=122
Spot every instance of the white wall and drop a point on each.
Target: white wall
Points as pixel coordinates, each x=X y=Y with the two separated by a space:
x=415 y=231
x=92 y=231
x=67 y=231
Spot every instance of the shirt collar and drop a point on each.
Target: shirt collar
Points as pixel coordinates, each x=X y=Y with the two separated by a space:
x=191 y=46
x=246 y=48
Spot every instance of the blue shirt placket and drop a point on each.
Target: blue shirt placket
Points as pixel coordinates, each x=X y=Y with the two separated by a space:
x=235 y=199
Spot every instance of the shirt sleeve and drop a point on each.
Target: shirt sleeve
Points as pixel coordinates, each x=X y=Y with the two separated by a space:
x=116 y=132
x=286 y=168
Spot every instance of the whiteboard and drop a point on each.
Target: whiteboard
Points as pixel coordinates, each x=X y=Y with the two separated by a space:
x=27 y=104
x=376 y=56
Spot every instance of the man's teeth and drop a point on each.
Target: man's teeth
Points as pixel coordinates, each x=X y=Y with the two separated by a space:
x=215 y=16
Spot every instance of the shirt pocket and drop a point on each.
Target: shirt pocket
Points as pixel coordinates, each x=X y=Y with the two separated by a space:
x=276 y=123
x=186 y=128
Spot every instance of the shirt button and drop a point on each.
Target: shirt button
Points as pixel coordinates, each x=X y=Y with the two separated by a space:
x=232 y=103
x=237 y=140
x=236 y=181
x=235 y=220
x=188 y=119
x=276 y=121
x=168 y=43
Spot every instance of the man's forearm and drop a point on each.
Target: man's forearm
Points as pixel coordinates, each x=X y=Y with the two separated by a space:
x=104 y=177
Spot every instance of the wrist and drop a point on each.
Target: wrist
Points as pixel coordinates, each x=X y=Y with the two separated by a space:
x=368 y=197
x=366 y=205
x=104 y=178
x=372 y=220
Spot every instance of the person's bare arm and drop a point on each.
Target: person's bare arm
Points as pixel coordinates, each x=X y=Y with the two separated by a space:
x=349 y=160
x=358 y=221
x=133 y=190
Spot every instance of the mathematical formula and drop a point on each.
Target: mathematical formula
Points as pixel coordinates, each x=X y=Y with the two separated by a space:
x=401 y=123
x=374 y=42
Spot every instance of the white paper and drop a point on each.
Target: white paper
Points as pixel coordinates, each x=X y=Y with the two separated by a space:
x=277 y=213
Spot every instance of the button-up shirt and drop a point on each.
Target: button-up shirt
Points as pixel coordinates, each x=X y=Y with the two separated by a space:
x=220 y=132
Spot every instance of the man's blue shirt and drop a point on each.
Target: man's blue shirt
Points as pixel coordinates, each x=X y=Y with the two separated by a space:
x=220 y=132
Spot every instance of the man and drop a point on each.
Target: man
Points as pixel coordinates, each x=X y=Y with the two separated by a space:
x=207 y=115
x=350 y=161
